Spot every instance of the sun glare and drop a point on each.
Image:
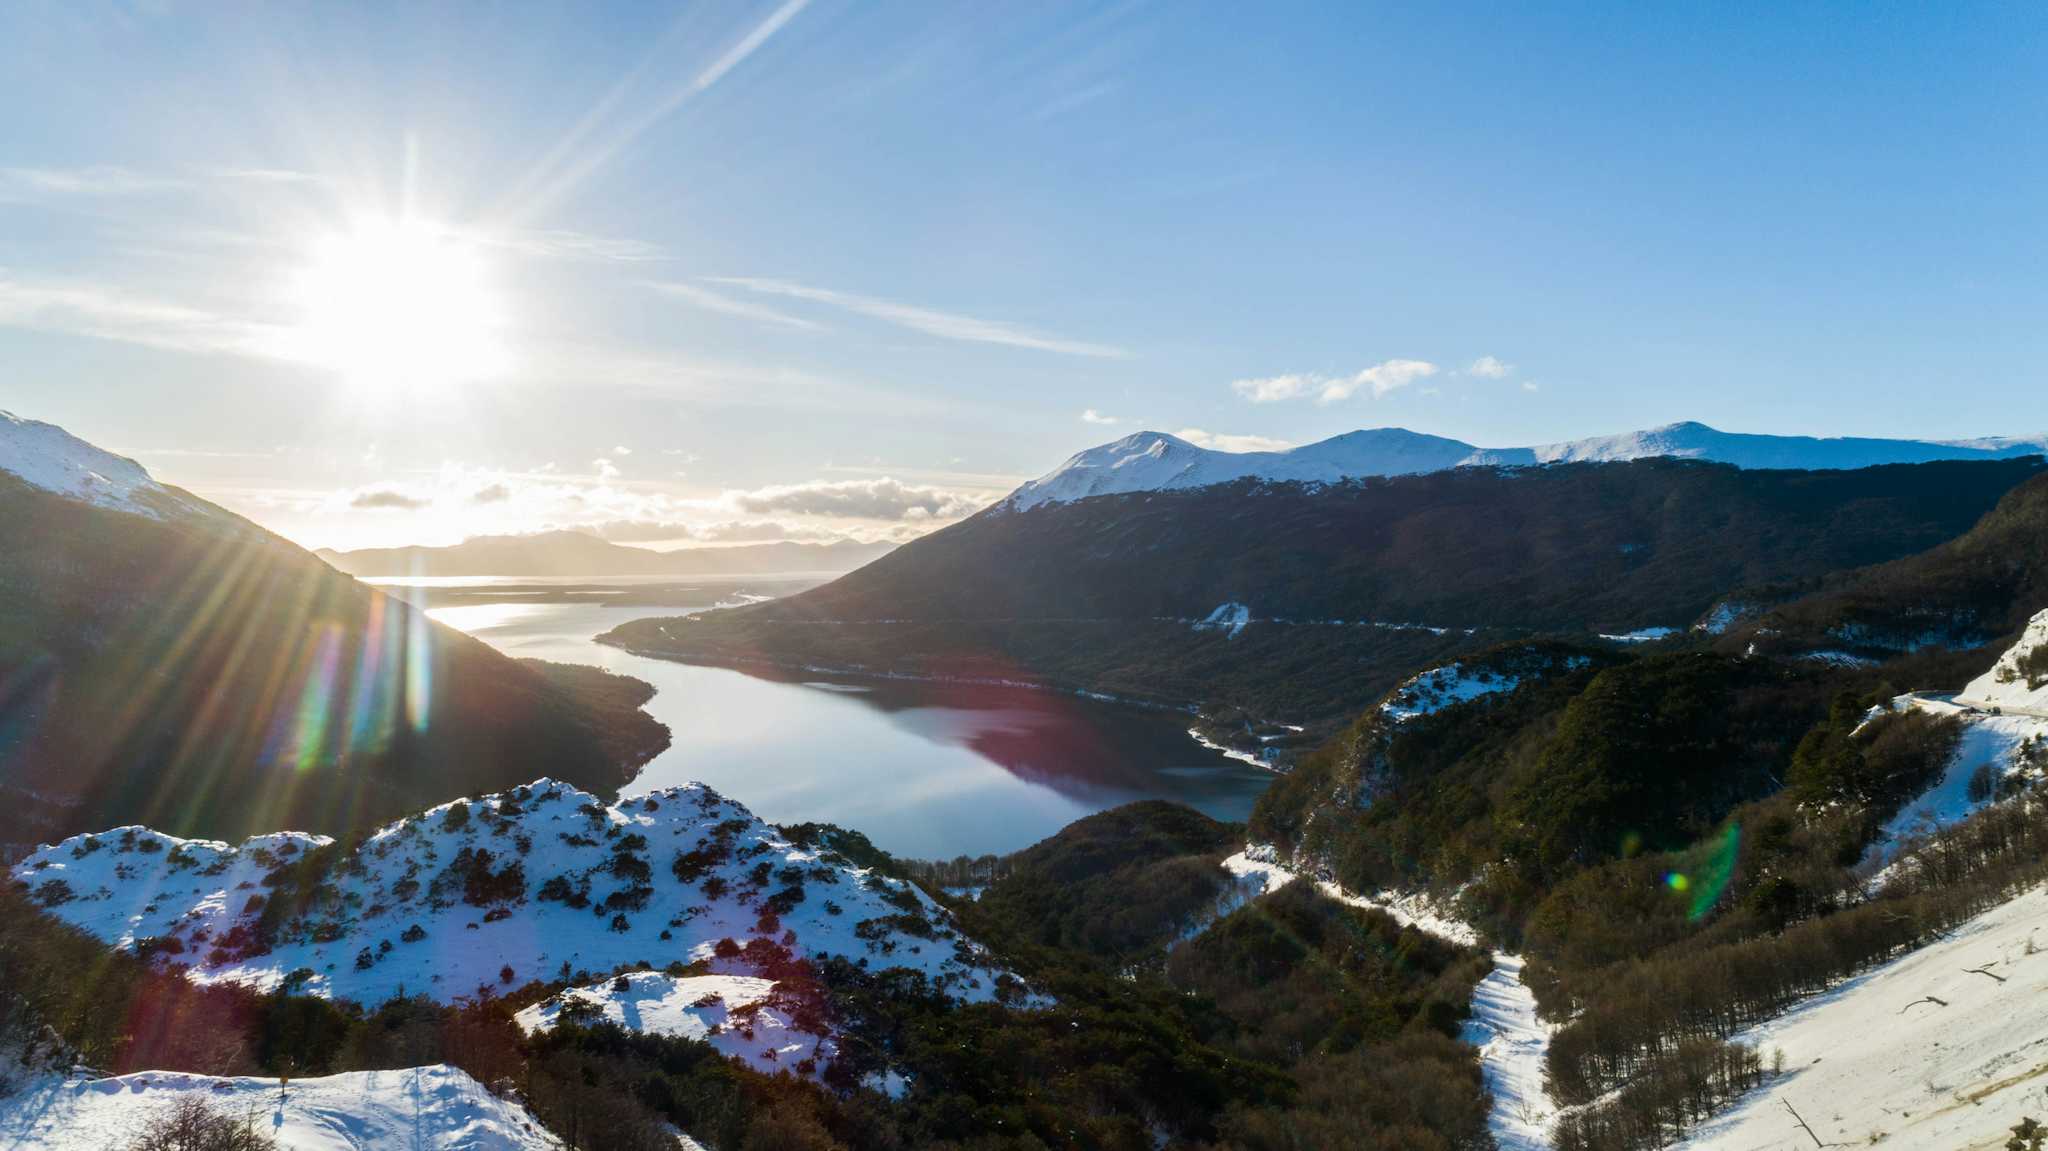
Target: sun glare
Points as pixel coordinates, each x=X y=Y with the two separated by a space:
x=397 y=306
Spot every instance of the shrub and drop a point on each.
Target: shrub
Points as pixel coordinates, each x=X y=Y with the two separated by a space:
x=193 y=1123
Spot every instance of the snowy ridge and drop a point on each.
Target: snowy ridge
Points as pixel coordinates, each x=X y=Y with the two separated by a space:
x=543 y=882
x=1512 y=1041
x=1875 y=1061
x=1156 y=461
x=48 y=457
x=434 y=1108
x=2018 y=682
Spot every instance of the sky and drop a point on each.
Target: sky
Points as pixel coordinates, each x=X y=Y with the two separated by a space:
x=811 y=269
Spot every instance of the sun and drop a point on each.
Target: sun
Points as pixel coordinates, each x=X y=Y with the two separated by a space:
x=399 y=306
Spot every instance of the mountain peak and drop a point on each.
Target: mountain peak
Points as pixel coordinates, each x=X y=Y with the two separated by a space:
x=48 y=457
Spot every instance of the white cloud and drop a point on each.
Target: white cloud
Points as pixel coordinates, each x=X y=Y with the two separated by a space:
x=490 y=494
x=622 y=450
x=1091 y=416
x=710 y=301
x=945 y=325
x=884 y=498
x=1491 y=368
x=1530 y=386
x=605 y=469
x=387 y=499
x=1381 y=379
x=1226 y=442
x=1273 y=389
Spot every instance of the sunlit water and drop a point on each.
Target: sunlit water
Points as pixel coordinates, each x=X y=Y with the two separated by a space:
x=926 y=770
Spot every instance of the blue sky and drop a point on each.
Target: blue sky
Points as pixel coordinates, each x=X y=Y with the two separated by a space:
x=796 y=269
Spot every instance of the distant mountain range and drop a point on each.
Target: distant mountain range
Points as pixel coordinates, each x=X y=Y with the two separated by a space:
x=1155 y=461
x=1304 y=603
x=163 y=659
x=572 y=553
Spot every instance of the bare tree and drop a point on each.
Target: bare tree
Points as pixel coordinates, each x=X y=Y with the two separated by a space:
x=194 y=1123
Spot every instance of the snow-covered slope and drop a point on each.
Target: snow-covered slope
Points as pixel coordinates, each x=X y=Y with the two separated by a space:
x=543 y=882
x=1875 y=1062
x=743 y=1016
x=1155 y=461
x=416 y=1109
x=2018 y=682
x=48 y=457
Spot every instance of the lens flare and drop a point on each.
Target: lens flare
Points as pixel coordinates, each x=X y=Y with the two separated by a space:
x=1711 y=882
x=419 y=669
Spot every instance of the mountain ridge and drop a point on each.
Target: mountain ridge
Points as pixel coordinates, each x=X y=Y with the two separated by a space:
x=164 y=660
x=1156 y=461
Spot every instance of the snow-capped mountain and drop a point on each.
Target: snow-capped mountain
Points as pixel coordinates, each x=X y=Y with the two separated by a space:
x=1155 y=461
x=48 y=457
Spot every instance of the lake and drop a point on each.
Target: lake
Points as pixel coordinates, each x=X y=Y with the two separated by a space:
x=926 y=770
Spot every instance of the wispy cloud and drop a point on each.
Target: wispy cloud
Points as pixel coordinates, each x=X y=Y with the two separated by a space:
x=1091 y=416
x=601 y=134
x=930 y=321
x=1226 y=442
x=561 y=244
x=110 y=313
x=748 y=44
x=1491 y=368
x=701 y=297
x=1380 y=379
x=99 y=181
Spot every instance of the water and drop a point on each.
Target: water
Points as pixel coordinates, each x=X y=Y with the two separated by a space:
x=926 y=770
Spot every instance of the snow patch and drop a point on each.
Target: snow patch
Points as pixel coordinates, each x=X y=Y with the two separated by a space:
x=1989 y=742
x=742 y=1016
x=1229 y=618
x=434 y=1108
x=1641 y=635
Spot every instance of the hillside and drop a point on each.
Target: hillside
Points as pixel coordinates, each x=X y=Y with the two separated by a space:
x=1977 y=589
x=165 y=661
x=1374 y=577
x=1935 y=1051
x=542 y=881
x=572 y=553
x=1155 y=461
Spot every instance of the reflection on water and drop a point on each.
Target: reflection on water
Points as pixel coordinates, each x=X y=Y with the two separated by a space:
x=928 y=770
